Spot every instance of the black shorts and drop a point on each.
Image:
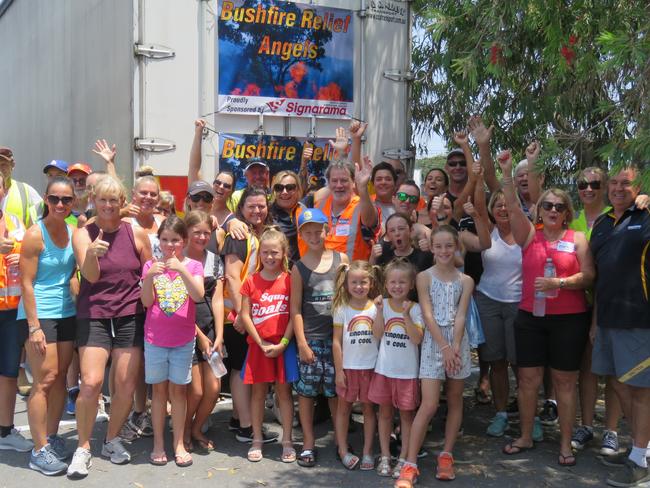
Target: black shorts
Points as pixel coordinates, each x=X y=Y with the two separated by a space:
x=117 y=333
x=197 y=356
x=236 y=346
x=557 y=341
x=59 y=330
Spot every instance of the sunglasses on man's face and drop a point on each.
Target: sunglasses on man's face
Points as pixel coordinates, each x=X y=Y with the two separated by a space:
x=403 y=197
x=548 y=206
x=457 y=162
x=584 y=184
x=279 y=188
x=223 y=184
x=54 y=200
x=206 y=197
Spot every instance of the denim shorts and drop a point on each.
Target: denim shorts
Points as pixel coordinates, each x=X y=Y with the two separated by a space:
x=168 y=363
x=12 y=337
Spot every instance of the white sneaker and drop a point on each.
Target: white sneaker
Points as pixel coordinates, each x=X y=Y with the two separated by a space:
x=80 y=464
x=16 y=442
x=116 y=451
x=102 y=416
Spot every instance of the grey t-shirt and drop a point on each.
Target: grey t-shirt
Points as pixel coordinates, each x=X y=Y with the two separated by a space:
x=317 y=294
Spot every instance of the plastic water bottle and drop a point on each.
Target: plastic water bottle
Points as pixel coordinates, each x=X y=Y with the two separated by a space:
x=539 y=305
x=13 y=280
x=549 y=272
x=216 y=364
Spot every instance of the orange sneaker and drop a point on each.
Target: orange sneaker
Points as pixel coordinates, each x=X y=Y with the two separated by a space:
x=445 y=469
x=408 y=476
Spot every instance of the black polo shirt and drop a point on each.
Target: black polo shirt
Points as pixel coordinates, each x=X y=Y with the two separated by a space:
x=621 y=250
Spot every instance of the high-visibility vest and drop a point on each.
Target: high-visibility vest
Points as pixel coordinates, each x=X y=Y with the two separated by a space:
x=344 y=233
x=249 y=267
x=18 y=204
x=16 y=230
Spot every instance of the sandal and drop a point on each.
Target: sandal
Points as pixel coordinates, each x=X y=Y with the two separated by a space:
x=350 y=461
x=482 y=398
x=158 y=459
x=511 y=450
x=255 y=452
x=183 y=460
x=288 y=452
x=367 y=462
x=203 y=445
x=566 y=461
x=383 y=468
x=307 y=458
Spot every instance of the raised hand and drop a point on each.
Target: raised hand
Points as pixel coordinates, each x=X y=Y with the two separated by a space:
x=532 y=152
x=504 y=158
x=131 y=210
x=363 y=173
x=199 y=125
x=104 y=151
x=436 y=204
x=174 y=264
x=461 y=138
x=357 y=128
x=480 y=133
x=98 y=247
x=477 y=168
x=307 y=152
x=469 y=209
x=340 y=145
x=376 y=250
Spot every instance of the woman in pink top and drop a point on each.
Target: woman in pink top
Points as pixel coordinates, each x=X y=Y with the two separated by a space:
x=558 y=338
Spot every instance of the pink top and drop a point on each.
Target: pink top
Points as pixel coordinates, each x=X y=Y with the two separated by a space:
x=170 y=320
x=563 y=254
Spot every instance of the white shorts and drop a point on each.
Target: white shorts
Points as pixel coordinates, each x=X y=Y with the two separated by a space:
x=431 y=364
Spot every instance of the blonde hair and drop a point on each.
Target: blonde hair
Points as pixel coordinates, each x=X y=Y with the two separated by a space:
x=600 y=172
x=109 y=186
x=401 y=264
x=273 y=233
x=493 y=200
x=167 y=198
x=144 y=171
x=146 y=179
x=564 y=196
x=279 y=176
x=342 y=294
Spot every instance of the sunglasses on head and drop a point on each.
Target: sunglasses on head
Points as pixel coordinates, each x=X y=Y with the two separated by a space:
x=279 y=188
x=223 y=184
x=584 y=184
x=206 y=197
x=54 y=200
x=459 y=162
x=403 y=197
x=548 y=206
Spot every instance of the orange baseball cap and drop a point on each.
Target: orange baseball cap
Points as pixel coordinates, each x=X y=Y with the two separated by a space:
x=83 y=167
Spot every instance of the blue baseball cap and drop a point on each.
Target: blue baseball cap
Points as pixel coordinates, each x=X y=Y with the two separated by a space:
x=58 y=164
x=310 y=215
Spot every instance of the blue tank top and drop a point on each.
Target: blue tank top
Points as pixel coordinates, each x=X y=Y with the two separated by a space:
x=52 y=281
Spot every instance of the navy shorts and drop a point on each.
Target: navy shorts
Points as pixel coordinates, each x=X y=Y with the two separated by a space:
x=13 y=335
x=318 y=377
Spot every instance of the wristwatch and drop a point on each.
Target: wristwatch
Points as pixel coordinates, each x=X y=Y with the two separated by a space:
x=562 y=283
x=33 y=328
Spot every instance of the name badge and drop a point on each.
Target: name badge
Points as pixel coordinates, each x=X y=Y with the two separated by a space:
x=564 y=246
x=633 y=227
x=342 y=230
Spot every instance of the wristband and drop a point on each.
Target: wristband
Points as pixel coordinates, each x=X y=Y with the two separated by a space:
x=33 y=328
x=284 y=341
x=444 y=347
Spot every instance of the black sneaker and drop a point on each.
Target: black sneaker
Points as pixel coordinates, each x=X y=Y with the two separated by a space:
x=245 y=434
x=632 y=475
x=548 y=415
x=233 y=425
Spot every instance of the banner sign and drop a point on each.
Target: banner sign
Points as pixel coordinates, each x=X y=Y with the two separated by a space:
x=282 y=58
x=280 y=153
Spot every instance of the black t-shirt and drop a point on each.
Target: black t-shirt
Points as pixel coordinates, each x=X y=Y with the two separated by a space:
x=236 y=247
x=420 y=259
x=621 y=250
x=287 y=224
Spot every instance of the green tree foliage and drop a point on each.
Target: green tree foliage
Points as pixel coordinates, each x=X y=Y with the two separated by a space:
x=426 y=164
x=573 y=75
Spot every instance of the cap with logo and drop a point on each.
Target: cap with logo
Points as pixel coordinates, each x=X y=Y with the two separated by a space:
x=80 y=166
x=200 y=186
x=256 y=162
x=6 y=153
x=58 y=164
x=312 y=215
x=456 y=152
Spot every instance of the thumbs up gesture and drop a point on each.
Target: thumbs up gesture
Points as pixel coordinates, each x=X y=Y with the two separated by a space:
x=157 y=267
x=98 y=247
x=376 y=249
x=468 y=207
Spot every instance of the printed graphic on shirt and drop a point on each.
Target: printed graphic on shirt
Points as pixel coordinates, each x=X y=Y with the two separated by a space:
x=360 y=330
x=322 y=294
x=398 y=355
x=171 y=294
x=277 y=305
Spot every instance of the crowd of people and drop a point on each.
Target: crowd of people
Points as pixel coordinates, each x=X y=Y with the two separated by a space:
x=371 y=290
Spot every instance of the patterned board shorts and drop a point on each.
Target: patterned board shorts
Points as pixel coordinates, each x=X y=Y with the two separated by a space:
x=318 y=377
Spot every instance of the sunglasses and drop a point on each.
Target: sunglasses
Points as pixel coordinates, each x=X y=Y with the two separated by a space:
x=54 y=200
x=279 y=188
x=225 y=186
x=460 y=162
x=548 y=206
x=403 y=197
x=78 y=181
x=584 y=184
x=206 y=197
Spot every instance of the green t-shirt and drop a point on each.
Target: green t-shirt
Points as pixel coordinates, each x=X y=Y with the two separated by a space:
x=580 y=222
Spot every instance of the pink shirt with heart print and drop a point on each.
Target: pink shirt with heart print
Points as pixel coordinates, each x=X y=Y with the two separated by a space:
x=170 y=320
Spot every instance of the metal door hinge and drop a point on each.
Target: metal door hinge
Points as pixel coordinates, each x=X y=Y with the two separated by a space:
x=154 y=51
x=398 y=153
x=152 y=144
x=399 y=75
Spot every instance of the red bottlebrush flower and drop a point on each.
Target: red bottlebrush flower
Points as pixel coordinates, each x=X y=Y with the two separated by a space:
x=495 y=54
x=572 y=40
x=568 y=54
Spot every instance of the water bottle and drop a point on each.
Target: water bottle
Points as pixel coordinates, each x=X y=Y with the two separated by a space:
x=549 y=272
x=13 y=280
x=216 y=364
x=539 y=305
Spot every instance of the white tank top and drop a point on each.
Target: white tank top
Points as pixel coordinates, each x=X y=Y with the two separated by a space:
x=501 y=278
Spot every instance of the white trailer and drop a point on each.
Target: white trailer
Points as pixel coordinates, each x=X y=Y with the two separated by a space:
x=138 y=72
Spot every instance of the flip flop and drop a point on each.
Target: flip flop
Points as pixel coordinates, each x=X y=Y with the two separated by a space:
x=566 y=461
x=307 y=458
x=255 y=452
x=183 y=460
x=158 y=459
x=350 y=461
x=203 y=446
x=367 y=463
x=511 y=450
x=288 y=452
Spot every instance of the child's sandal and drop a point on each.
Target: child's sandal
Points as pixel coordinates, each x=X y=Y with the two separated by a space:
x=383 y=468
x=255 y=452
x=367 y=462
x=349 y=461
x=288 y=452
x=307 y=458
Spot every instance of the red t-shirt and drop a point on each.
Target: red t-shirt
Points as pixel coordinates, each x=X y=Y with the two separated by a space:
x=269 y=304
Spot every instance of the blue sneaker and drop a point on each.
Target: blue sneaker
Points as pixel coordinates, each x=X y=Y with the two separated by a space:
x=58 y=447
x=71 y=401
x=45 y=461
x=498 y=426
x=538 y=430
x=581 y=436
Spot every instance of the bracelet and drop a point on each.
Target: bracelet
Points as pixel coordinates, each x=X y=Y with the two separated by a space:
x=284 y=341
x=444 y=347
x=507 y=180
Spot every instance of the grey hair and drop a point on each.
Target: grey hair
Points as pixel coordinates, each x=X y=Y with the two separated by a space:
x=340 y=164
x=521 y=165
